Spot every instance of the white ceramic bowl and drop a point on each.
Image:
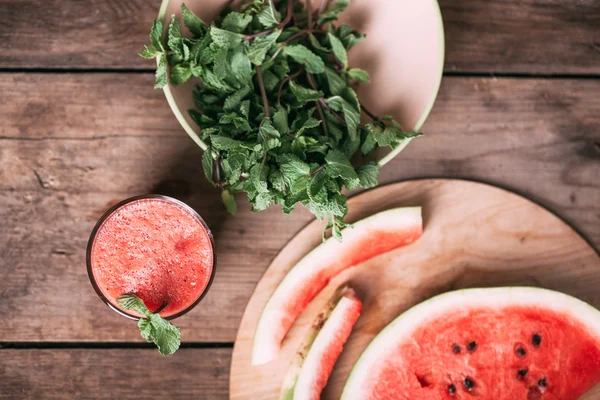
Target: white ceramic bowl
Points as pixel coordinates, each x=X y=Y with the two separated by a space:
x=403 y=53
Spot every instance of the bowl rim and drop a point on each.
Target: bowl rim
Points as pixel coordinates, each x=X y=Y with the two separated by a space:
x=385 y=159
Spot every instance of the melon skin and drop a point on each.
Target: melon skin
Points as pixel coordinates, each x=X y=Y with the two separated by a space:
x=316 y=357
x=367 y=238
x=414 y=357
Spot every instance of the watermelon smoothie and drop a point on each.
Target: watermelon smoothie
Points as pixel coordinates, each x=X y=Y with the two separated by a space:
x=155 y=247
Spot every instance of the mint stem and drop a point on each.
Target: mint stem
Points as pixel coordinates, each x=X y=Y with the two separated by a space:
x=332 y=111
x=312 y=84
x=263 y=93
x=286 y=80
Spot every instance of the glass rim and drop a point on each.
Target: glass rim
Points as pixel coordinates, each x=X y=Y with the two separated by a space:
x=117 y=206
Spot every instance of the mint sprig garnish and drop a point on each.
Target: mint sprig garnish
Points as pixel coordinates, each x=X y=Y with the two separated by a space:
x=276 y=102
x=153 y=328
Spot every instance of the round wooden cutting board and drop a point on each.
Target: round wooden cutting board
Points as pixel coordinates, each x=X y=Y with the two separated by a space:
x=475 y=235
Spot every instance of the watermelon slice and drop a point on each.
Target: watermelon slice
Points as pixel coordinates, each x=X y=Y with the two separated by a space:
x=369 y=237
x=321 y=348
x=501 y=344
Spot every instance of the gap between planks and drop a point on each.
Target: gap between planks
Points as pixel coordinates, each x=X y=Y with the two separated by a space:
x=461 y=74
x=107 y=345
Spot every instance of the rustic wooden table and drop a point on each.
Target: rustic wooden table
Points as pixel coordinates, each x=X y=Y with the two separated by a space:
x=82 y=128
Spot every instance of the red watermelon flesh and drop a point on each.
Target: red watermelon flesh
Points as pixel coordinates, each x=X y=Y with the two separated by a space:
x=322 y=346
x=368 y=238
x=500 y=344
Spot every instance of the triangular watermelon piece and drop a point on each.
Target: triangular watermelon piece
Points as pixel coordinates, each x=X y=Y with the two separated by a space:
x=322 y=346
x=367 y=238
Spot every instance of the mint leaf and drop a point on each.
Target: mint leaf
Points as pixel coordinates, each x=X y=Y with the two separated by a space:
x=359 y=75
x=236 y=22
x=156 y=35
x=153 y=328
x=268 y=16
x=334 y=12
x=208 y=165
x=338 y=49
x=149 y=52
x=351 y=114
x=338 y=166
x=302 y=55
x=293 y=168
x=270 y=80
x=309 y=124
x=241 y=69
x=225 y=39
x=233 y=101
x=389 y=135
x=174 y=35
x=369 y=142
x=161 y=72
x=261 y=46
x=164 y=334
x=132 y=302
x=316 y=44
x=280 y=120
x=368 y=174
x=224 y=143
x=304 y=95
x=336 y=83
x=180 y=73
x=268 y=136
x=276 y=180
x=229 y=201
x=221 y=62
x=192 y=22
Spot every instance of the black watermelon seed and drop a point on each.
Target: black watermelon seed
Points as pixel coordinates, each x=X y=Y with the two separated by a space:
x=536 y=340
x=521 y=352
x=469 y=384
x=451 y=389
x=472 y=346
x=455 y=348
x=542 y=383
x=521 y=373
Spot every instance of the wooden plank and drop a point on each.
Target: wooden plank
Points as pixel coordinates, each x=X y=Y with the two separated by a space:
x=83 y=106
x=535 y=36
x=538 y=137
x=114 y=374
x=75 y=34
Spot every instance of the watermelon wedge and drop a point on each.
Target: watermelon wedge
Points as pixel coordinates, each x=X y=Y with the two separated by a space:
x=369 y=237
x=502 y=344
x=321 y=348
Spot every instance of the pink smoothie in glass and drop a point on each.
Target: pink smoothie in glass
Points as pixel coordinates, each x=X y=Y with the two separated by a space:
x=155 y=248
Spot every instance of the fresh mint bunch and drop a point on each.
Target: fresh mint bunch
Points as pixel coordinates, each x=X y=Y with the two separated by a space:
x=153 y=328
x=276 y=103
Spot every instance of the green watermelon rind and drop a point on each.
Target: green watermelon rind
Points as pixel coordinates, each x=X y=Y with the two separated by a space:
x=411 y=319
x=291 y=377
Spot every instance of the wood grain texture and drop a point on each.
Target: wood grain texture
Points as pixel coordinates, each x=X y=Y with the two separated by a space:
x=535 y=36
x=75 y=34
x=533 y=136
x=474 y=235
x=113 y=374
x=83 y=107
